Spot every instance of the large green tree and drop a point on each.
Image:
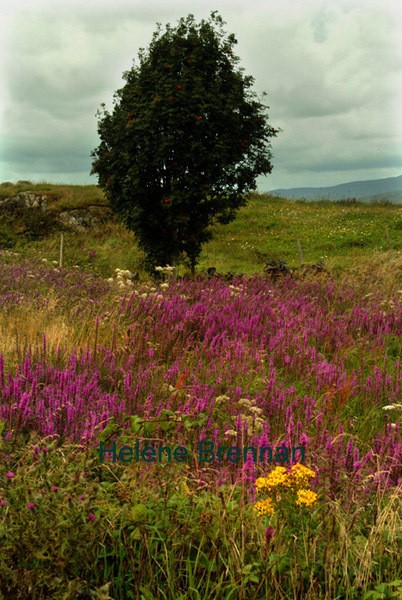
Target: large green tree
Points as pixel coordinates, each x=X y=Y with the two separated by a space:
x=185 y=141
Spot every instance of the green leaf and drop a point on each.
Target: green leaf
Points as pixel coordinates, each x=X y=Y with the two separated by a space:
x=166 y=413
x=109 y=430
x=135 y=534
x=139 y=513
x=166 y=425
x=135 y=423
x=149 y=428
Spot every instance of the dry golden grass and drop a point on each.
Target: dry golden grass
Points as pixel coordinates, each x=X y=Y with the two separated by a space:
x=383 y=534
x=25 y=327
x=381 y=272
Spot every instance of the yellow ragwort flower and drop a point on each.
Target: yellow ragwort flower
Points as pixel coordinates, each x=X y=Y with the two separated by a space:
x=265 y=507
x=277 y=478
x=299 y=475
x=306 y=497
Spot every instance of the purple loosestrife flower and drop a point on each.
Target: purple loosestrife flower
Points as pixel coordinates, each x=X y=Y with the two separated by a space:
x=91 y=517
x=3 y=503
x=305 y=327
x=31 y=506
x=10 y=475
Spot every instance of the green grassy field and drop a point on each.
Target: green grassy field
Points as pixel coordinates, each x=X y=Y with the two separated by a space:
x=341 y=234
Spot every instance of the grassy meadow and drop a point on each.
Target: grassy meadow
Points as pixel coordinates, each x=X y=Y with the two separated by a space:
x=90 y=359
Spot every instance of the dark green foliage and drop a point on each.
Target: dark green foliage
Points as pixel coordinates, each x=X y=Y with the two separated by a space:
x=185 y=142
x=7 y=238
x=37 y=223
x=31 y=223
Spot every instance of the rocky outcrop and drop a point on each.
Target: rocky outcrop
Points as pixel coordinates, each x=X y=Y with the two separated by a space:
x=278 y=268
x=78 y=219
x=24 y=200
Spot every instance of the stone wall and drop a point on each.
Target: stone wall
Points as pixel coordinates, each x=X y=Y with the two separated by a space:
x=78 y=219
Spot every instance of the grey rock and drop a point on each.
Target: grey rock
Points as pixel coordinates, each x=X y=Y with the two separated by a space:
x=276 y=268
x=81 y=219
x=24 y=200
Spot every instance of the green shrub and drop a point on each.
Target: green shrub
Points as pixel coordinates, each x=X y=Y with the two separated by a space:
x=29 y=223
x=7 y=238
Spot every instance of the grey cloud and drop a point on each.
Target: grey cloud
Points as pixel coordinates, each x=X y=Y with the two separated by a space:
x=319 y=23
x=332 y=75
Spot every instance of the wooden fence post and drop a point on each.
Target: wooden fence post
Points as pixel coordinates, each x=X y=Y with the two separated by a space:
x=388 y=240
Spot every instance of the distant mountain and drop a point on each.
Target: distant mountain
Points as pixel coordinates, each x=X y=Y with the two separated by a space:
x=394 y=197
x=375 y=189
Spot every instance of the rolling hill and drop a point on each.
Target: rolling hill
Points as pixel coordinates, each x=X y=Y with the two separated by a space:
x=389 y=189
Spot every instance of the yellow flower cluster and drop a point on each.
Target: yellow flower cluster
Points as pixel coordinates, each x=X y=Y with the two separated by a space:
x=300 y=475
x=264 y=507
x=281 y=480
x=277 y=478
x=306 y=497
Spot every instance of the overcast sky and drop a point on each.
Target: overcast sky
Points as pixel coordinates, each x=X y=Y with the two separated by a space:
x=331 y=69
